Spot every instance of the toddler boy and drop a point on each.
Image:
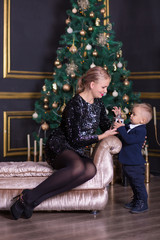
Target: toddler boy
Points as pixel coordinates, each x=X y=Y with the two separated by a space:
x=133 y=162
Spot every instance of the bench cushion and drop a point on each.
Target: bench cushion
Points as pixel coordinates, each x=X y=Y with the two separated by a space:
x=22 y=175
x=25 y=169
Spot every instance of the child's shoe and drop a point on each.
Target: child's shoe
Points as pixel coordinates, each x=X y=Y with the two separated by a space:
x=131 y=204
x=141 y=206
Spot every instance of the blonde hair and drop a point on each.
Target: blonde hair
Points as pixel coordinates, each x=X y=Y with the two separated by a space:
x=146 y=110
x=92 y=75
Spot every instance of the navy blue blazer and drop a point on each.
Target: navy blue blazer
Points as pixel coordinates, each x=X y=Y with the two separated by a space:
x=132 y=142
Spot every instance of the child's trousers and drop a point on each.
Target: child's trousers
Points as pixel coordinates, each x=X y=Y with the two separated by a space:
x=136 y=177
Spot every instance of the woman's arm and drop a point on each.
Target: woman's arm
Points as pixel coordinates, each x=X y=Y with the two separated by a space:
x=107 y=133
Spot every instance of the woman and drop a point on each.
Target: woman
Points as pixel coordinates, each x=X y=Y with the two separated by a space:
x=65 y=148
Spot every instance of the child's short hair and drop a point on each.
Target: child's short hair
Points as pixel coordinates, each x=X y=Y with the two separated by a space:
x=146 y=110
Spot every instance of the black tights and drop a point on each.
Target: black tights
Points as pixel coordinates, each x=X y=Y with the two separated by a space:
x=72 y=171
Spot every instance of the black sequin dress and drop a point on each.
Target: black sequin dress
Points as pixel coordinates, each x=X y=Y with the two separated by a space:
x=79 y=122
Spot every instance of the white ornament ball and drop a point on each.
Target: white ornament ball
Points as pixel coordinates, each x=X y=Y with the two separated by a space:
x=88 y=47
x=92 y=65
x=126 y=110
x=114 y=93
x=35 y=115
x=119 y=65
x=69 y=30
x=74 y=10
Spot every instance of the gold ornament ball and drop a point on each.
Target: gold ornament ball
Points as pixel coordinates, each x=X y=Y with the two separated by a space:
x=107 y=35
x=59 y=66
x=57 y=62
x=103 y=10
x=126 y=82
x=105 y=68
x=95 y=53
x=124 y=116
x=66 y=87
x=82 y=32
x=54 y=73
x=118 y=56
x=73 y=75
x=45 y=100
x=125 y=98
x=45 y=126
x=68 y=20
x=55 y=105
x=44 y=88
x=91 y=14
x=48 y=93
x=73 y=49
x=90 y=29
x=45 y=106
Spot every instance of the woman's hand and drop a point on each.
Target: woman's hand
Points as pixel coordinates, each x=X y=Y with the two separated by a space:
x=108 y=133
x=116 y=110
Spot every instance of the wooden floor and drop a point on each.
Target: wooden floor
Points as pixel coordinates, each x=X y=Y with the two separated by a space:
x=114 y=222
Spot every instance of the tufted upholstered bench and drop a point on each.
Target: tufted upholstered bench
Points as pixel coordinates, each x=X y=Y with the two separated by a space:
x=92 y=195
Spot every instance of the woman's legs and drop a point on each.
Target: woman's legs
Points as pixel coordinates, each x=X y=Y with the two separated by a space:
x=72 y=171
x=90 y=171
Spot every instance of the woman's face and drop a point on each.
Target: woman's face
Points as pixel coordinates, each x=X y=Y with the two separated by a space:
x=99 y=88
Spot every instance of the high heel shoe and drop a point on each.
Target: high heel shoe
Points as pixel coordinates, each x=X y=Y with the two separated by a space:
x=20 y=207
x=28 y=210
x=17 y=208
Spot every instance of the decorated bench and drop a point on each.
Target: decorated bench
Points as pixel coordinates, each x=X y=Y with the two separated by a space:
x=92 y=195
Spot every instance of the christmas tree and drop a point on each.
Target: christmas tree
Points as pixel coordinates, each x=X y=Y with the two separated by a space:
x=89 y=41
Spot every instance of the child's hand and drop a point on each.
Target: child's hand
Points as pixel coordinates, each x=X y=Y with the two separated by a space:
x=116 y=110
x=118 y=124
